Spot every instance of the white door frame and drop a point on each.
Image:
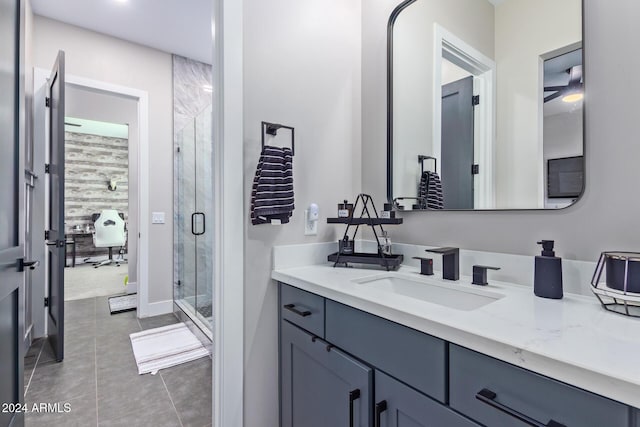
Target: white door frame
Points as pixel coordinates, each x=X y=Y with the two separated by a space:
x=228 y=285
x=483 y=68
x=40 y=77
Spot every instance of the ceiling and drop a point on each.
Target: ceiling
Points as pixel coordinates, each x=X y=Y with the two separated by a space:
x=555 y=74
x=175 y=26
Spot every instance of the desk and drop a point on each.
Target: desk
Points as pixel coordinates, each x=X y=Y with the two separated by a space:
x=73 y=236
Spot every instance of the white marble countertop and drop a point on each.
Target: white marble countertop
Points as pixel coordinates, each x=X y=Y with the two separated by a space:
x=573 y=340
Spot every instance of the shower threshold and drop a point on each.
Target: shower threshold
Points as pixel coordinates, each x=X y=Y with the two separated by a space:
x=197 y=323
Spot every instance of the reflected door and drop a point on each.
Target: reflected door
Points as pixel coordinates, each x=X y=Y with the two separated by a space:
x=457 y=144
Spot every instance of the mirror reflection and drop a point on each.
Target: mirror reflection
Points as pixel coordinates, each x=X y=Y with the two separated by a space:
x=486 y=104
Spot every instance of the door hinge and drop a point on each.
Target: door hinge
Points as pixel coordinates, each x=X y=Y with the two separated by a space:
x=475 y=100
x=179 y=283
x=178 y=149
x=475 y=169
x=47 y=168
x=46 y=301
x=46 y=235
x=47 y=102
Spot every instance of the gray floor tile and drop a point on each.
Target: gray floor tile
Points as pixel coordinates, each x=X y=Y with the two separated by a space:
x=158 y=321
x=82 y=412
x=133 y=396
x=79 y=310
x=72 y=378
x=99 y=376
x=189 y=385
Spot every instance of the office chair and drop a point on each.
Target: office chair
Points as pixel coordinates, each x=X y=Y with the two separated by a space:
x=109 y=233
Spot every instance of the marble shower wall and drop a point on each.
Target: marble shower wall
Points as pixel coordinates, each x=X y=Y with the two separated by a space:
x=192 y=99
x=91 y=161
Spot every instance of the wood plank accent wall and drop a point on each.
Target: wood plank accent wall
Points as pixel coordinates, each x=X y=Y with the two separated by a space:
x=91 y=161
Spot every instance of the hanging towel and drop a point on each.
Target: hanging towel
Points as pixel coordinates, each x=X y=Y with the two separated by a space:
x=430 y=191
x=272 y=193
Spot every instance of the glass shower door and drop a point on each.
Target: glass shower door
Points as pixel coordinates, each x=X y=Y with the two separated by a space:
x=204 y=209
x=193 y=236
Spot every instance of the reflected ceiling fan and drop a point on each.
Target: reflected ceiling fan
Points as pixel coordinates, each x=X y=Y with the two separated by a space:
x=572 y=92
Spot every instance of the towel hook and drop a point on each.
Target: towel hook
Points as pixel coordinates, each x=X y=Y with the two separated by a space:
x=272 y=129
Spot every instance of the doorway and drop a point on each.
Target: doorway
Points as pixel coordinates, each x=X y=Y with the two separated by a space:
x=97 y=182
x=455 y=59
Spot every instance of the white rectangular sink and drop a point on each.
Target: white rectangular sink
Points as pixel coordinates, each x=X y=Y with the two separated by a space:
x=448 y=295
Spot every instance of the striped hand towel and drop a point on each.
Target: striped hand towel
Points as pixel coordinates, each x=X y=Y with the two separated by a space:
x=430 y=191
x=272 y=193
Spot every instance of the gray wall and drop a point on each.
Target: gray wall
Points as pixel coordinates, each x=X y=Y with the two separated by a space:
x=301 y=68
x=607 y=216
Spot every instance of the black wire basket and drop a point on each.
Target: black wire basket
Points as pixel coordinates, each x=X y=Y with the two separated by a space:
x=620 y=291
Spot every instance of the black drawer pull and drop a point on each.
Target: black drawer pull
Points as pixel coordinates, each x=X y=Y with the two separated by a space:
x=292 y=308
x=353 y=395
x=487 y=396
x=380 y=408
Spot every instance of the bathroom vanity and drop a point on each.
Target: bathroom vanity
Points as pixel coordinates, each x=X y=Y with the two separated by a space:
x=372 y=348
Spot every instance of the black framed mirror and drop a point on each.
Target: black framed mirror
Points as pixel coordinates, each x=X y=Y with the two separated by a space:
x=485 y=104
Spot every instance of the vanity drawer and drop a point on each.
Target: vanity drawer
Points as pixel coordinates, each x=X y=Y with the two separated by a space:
x=496 y=393
x=412 y=357
x=303 y=309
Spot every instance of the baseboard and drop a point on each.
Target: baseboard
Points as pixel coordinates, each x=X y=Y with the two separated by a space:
x=156 y=309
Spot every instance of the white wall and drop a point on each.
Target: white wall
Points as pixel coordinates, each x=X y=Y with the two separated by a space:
x=99 y=57
x=525 y=30
x=469 y=20
x=301 y=68
x=87 y=104
x=606 y=216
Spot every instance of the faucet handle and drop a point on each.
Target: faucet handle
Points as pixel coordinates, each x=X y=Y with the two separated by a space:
x=480 y=274
x=426 y=265
x=445 y=251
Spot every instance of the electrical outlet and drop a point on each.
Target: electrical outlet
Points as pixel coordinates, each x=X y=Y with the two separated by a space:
x=157 y=217
x=310 y=227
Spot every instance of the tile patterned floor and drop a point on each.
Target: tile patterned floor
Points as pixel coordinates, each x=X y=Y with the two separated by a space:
x=99 y=377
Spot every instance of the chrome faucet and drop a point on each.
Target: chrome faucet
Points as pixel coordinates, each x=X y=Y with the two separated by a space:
x=450 y=262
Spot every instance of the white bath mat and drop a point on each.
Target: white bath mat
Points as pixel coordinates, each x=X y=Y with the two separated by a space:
x=160 y=348
x=122 y=303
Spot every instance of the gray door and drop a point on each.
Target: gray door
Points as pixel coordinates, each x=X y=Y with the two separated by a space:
x=398 y=405
x=55 y=233
x=321 y=386
x=457 y=144
x=11 y=252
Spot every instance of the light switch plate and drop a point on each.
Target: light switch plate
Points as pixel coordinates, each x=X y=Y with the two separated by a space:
x=157 y=217
x=310 y=228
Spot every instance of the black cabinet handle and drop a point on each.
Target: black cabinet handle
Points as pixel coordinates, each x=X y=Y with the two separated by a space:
x=292 y=308
x=380 y=408
x=353 y=395
x=487 y=396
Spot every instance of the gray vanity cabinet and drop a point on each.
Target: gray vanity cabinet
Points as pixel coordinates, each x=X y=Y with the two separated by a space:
x=397 y=405
x=496 y=393
x=321 y=386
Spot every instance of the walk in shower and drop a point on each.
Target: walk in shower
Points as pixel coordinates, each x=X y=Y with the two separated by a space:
x=193 y=233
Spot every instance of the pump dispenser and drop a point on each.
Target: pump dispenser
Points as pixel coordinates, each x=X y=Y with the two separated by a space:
x=547 y=282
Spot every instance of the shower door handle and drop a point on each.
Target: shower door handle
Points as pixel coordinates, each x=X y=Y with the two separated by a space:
x=193 y=223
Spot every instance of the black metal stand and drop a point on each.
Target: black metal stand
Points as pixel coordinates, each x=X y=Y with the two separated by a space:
x=368 y=216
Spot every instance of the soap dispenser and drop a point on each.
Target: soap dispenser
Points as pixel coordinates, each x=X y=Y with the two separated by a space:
x=547 y=282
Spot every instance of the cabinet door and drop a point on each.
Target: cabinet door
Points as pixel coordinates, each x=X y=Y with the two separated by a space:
x=398 y=405
x=320 y=385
